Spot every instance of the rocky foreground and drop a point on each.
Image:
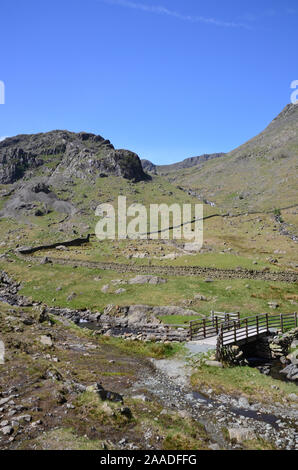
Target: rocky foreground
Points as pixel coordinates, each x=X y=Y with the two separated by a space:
x=62 y=386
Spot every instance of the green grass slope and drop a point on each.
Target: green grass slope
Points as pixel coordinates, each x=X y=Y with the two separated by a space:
x=259 y=175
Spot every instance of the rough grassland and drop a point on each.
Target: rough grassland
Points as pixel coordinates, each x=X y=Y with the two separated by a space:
x=242 y=381
x=53 y=284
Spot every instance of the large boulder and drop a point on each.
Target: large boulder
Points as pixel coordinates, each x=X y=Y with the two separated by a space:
x=46 y=340
x=241 y=434
x=192 y=247
x=291 y=372
x=143 y=279
x=104 y=394
x=138 y=314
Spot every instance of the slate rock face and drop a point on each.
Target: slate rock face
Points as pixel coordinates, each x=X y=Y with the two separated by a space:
x=63 y=154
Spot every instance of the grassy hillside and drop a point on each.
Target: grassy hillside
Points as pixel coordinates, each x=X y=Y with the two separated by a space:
x=259 y=175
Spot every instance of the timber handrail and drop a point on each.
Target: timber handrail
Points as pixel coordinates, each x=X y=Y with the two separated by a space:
x=243 y=328
x=252 y=327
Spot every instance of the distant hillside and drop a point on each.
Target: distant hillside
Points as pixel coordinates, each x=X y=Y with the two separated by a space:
x=187 y=163
x=261 y=174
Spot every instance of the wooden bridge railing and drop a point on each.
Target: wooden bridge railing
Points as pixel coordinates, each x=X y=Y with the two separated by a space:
x=232 y=329
x=225 y=317
x=251 y=327
x=209 y=327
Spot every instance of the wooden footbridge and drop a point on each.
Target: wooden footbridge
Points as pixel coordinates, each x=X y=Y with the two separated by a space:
x=230 y=329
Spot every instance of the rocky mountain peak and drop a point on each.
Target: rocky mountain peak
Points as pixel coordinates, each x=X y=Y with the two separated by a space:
x=62 y=153
x=290 y=111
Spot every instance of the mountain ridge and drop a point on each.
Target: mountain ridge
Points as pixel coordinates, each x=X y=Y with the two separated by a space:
x=186 y=163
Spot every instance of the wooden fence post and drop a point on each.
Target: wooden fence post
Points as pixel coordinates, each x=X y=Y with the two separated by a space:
x=281 y=323
x=296 y=319
x=267 y=322
x=257 y=320
x=204 y=327
x=219 y=344
x=235 y=331
x=246 y=327
x=216 y=322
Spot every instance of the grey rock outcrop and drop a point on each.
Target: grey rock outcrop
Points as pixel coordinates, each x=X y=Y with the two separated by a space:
x=149 y=167
x=173 y=310
x=65 y=155
x=291 y=372
x=9 y=291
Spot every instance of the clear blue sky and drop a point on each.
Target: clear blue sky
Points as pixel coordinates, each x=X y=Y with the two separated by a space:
x=168 y=79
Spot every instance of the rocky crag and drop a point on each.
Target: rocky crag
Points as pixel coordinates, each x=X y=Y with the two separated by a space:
x=63 y=154
x=35 y=167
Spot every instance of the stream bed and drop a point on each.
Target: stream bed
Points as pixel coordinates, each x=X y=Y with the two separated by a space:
x=168 y=381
